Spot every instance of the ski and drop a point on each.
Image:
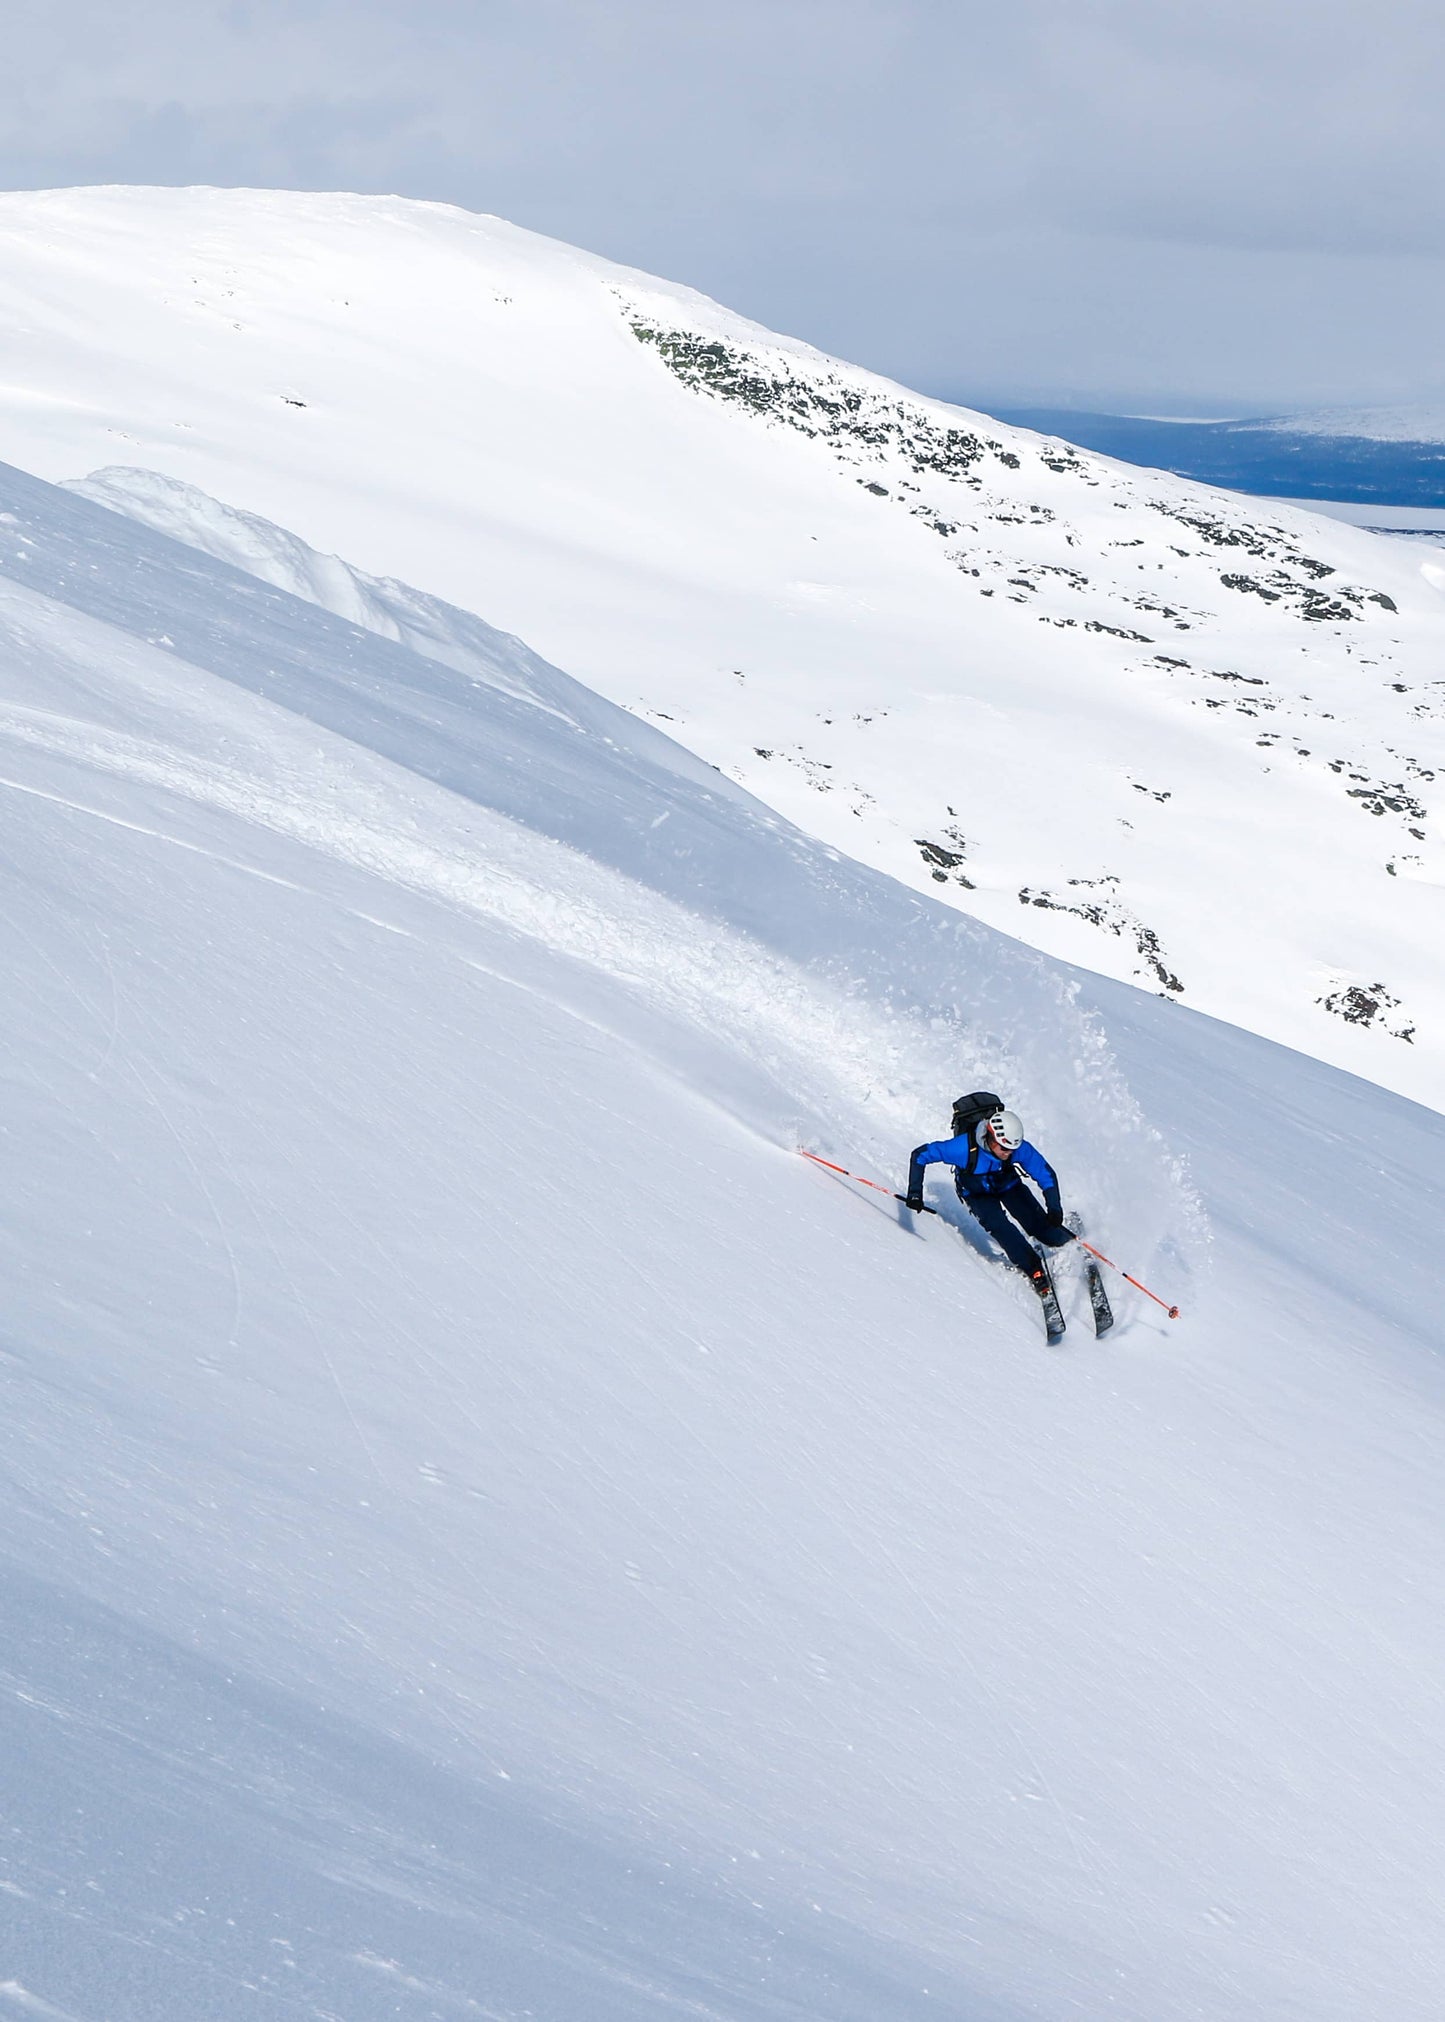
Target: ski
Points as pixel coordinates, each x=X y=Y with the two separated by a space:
x=1094 y=1278
x=1049 y=1300
x=1098 y=1298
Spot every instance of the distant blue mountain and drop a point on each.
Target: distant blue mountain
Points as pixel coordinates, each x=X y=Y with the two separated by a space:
x=1268 y=458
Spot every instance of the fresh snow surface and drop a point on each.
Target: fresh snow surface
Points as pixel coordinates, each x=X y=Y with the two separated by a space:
x=490 y=1532
x=1180 y=737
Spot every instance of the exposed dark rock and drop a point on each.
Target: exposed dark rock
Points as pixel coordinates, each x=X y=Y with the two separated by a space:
x=1367 y=1004
x=946 y=863
x=1113 y=919
x=1118 y=632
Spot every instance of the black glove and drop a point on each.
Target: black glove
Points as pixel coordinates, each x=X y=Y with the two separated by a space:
x=915 y=1202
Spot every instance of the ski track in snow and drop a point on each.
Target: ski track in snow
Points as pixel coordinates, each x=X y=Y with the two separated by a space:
x=550 y=895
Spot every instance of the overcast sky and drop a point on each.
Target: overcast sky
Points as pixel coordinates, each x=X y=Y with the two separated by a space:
x=1214 y=205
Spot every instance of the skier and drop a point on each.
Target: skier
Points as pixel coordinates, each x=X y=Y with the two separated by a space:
x=989 y=1152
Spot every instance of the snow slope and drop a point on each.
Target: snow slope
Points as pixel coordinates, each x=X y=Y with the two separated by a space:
x=489 y=1532
x=1169 y=734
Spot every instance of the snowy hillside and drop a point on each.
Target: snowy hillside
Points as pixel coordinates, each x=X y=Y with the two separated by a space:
x=488 y=1531
x=1170 y=735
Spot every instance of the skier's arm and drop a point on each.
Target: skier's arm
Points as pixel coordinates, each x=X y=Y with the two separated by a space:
x=947 y=1151
x=1044 y=1178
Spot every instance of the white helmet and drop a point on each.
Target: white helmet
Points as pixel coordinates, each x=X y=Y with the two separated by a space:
x=1001 y=1133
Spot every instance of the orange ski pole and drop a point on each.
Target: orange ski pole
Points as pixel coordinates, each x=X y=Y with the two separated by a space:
x=859 y=1178
x=1172 y=1311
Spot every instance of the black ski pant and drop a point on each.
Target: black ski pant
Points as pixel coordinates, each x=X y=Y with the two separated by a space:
x=993 y=1212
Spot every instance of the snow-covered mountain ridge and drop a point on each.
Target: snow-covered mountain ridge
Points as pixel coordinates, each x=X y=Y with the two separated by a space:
x=489 y=1532
x=868 y=424
x=1160 y=731
x=1369 y=424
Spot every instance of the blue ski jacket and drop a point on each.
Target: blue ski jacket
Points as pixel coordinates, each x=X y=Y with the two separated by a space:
x=980 y=1173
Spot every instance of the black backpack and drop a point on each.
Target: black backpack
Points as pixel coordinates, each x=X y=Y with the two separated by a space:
x=969 y=1112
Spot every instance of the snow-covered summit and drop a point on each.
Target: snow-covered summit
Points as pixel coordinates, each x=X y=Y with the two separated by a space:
x=1173 y=735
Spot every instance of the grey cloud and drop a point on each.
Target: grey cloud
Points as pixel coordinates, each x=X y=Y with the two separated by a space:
x=1238 y=199
x=1301 y=128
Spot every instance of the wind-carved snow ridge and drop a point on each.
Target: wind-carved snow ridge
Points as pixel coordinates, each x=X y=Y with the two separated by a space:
x=456 y=638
